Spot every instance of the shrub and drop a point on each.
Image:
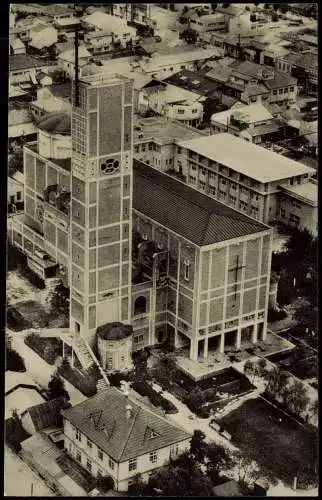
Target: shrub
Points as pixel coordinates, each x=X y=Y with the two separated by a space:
x=274 y=315
x=15 y=320
x=47 y=348
x=83 y=382
x=14 y=433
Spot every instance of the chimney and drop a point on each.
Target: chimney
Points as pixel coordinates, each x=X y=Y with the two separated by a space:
x=76 y=102
x=128 y=411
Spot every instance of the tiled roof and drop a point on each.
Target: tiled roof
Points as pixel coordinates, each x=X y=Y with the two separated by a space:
x=103 y=419
x=46 y=414
x=192 y=81
x=185 y=211
x=280 y=80
x=24 y=61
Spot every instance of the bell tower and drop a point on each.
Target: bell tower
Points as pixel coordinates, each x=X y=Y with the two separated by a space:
x=101 y=202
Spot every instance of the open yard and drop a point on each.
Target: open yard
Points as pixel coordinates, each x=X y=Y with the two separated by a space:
x=281 y=447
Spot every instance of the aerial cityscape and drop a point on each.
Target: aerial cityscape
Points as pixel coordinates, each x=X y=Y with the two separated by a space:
x=162 y=224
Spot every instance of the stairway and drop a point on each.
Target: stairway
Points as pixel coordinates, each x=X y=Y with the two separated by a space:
x=82 y=353
x=101 y=385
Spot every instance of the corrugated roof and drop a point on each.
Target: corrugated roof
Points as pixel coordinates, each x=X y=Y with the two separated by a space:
x=160 y=61
x=247 y=158
x=192 y=81
x=103 y=419
x=185 y=211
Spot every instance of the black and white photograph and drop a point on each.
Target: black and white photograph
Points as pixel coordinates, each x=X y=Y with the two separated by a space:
x=161 y=333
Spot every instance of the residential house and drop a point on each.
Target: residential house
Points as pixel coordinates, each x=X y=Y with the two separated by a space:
x=155 y=139
x=100 y=21
x=23 y=68
x=227 y=168
x=16 y=46
x=173 y=102
x=48 y=414
x=15 y=193
x=20 y=393
x=163 y=66
x=57 y=12
x=298 y=206
x=253 y=123
x=99 y=42
x=55 y=97
x=25 y=25
x=304 y=67
x=66 y=60
x=251 y=82
x=112 y=434
x=42 y=36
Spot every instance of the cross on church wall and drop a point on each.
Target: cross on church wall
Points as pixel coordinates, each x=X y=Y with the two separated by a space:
x=236 y=269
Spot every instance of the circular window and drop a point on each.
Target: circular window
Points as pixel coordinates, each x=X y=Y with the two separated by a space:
x=109 y=166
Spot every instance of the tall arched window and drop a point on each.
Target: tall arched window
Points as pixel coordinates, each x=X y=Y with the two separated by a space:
x=140 y=305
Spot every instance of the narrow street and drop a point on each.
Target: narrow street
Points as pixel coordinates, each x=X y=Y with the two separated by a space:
x=20 y=480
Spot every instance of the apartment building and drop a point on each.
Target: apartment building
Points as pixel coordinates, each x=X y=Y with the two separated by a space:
x=238 y=173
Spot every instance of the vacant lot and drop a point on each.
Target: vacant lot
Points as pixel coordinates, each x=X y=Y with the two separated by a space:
x=283 y=448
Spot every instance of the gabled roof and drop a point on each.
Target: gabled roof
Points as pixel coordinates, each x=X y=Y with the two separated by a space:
x=252 y=113
x=185 y=211
x=247 y=158
x=103 y=419
x=46 y=414
x=69 y=55
x=192 y=81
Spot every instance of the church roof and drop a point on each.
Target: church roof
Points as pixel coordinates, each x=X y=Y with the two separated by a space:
x=56 y=123
x=185 y=211
x=103 y=419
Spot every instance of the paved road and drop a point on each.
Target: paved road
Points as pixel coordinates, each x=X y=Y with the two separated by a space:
x=19 y=478
x=38 y=369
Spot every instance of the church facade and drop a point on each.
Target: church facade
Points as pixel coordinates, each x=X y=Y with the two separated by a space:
x=134 y=245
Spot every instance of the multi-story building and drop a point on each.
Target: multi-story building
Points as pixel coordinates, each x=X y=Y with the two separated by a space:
x=239 y=173
x=211 y=291
x=200 y=273
x=155 y=139
x=113 y=434
x=122 y=34
x=42 y=36
x=135 y=13
x=299 y=206
x=303 y=66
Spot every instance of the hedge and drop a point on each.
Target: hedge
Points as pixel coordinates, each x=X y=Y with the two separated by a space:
x=83 y=382
x=48 y=348
x=154 y=397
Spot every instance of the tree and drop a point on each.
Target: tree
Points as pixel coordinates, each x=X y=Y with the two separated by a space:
x=189 y=35
x=195 y=399
x=56 y=388
x=247 y=469
x=251 y=369
x=262 y=365
x=140 y=361
x=214 y=7
x=105 y=483
x=276 y=6
x=198 y=446
x=314 y=408
x=277 y=382
x=266 y=6
x=217 y=459
x=296 y=397
x=274 y=17
x=283 y=7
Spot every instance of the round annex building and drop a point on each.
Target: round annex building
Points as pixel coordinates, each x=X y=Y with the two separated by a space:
x=114 y=343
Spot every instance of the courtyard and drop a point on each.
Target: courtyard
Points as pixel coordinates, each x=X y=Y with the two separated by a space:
x=283 y=448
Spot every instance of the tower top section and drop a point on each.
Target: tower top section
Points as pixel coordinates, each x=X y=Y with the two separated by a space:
x=104 y=79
